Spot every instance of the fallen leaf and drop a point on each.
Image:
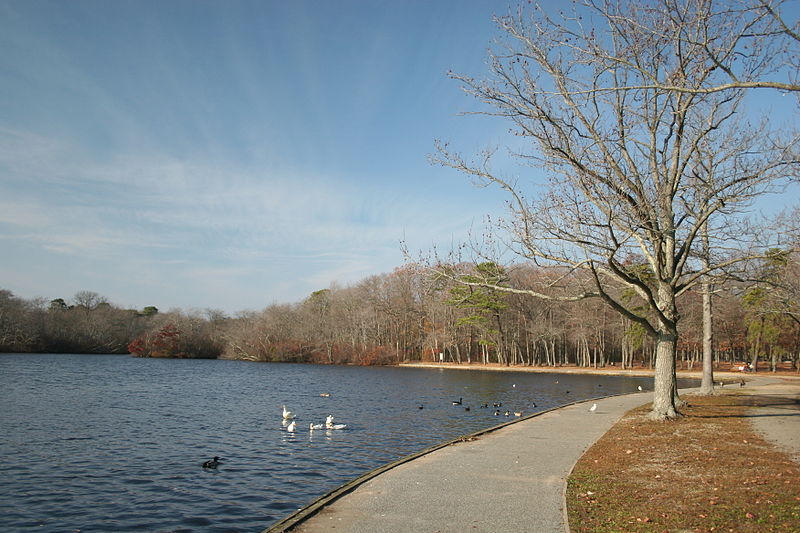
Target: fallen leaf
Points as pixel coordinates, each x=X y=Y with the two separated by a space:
x=750 y=515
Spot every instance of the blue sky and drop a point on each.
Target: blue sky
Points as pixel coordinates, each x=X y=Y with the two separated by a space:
x=231 y=154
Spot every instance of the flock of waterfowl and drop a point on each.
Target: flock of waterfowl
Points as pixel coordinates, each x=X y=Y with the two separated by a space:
x=291 y=423
x=289 y=419
x=496 y=406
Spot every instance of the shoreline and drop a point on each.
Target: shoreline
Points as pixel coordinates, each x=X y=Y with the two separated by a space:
x=604 y=371
x=296 y=521
x=388 y=498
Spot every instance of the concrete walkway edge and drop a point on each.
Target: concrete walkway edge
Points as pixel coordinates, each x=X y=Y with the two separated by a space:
x=303 y=514
x=514 y=479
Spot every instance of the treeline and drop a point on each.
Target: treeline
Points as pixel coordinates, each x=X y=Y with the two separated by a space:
x=90 y=324
x=413 y=314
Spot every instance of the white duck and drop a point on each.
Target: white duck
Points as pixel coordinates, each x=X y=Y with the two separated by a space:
x=330 y=425
x=312 y=426
x=291 y=427
x=287 y=415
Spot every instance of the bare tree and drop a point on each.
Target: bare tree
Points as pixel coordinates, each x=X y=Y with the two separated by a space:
x=745 y=44
x=88 y=300
x=585 y=94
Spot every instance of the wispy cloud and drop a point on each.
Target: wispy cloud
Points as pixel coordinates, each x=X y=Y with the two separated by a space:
x=238 y=153
x=221 y=223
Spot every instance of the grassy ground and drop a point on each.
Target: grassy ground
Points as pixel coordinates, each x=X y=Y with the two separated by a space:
x=706 y=471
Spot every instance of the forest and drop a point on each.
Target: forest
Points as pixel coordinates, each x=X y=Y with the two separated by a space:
x=417 y=313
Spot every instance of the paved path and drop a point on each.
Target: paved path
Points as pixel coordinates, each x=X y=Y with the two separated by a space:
x=513 y=479
x=779 y=420
x=510 y=480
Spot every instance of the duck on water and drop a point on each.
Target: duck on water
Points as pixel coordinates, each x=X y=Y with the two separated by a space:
x=212 y=463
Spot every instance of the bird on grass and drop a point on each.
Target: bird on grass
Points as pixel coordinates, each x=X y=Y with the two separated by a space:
x=593 y=408
x=287 y=415
x=212 y=463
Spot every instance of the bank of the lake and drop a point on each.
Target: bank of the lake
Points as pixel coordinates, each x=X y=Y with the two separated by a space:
x=514 y=479
x=725 y=372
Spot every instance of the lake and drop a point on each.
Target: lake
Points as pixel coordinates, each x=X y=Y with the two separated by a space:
x=116 y=443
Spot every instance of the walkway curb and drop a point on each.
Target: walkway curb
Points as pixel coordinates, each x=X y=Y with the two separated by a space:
x=303 y=514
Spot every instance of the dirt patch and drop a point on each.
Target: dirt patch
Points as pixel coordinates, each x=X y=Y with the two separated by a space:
x=706 y=471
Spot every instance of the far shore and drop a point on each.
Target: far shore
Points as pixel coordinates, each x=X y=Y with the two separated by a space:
x=606 y=370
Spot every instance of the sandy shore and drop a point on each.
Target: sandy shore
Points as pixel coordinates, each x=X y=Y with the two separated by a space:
x=608 y=370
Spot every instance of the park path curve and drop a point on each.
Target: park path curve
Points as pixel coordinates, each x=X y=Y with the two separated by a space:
x=509 y=480
x=776 y=414
x=512 y=479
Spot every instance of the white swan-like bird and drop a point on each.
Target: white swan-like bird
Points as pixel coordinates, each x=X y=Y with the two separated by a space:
x=330 y=425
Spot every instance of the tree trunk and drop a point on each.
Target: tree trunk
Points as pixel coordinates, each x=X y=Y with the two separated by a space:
x=707 y=384
x=773 y=358
x=665 y=387
x=757 y=348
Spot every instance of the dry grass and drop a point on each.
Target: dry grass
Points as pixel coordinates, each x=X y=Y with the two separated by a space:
x=706 y=471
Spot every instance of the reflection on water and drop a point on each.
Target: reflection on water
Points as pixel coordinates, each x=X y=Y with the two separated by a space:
x=113 y=443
